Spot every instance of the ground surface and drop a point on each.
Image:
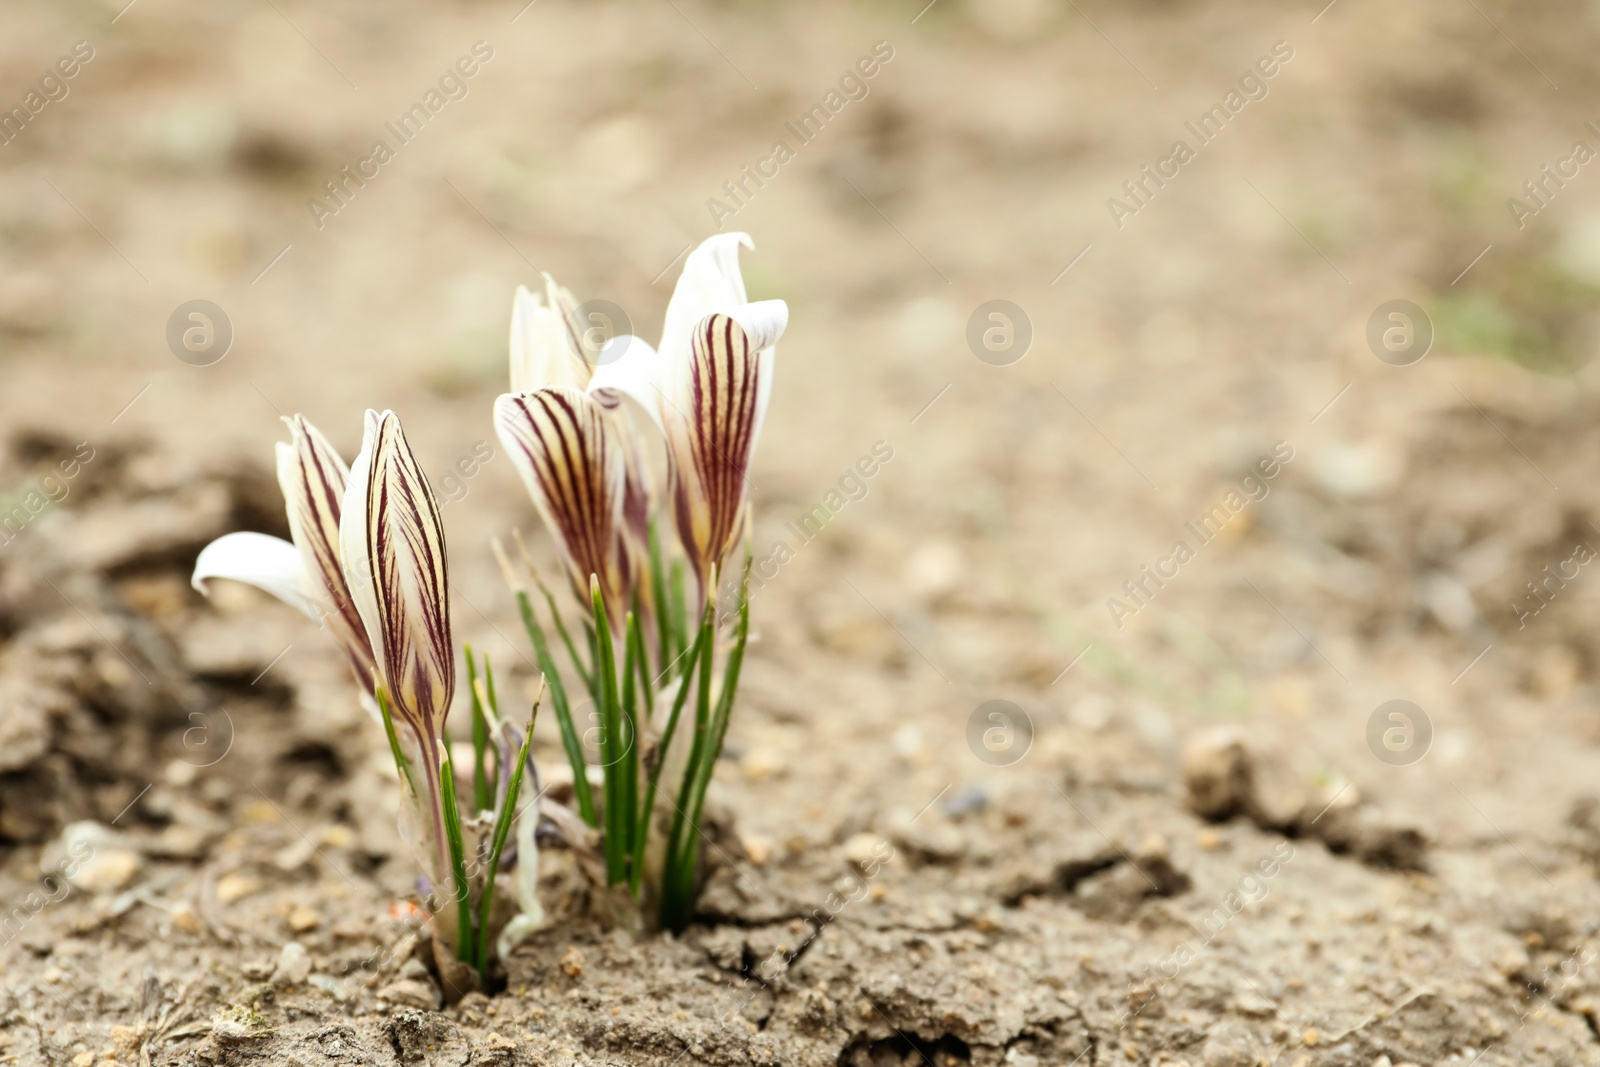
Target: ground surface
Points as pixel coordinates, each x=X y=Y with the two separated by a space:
x=1188 y=851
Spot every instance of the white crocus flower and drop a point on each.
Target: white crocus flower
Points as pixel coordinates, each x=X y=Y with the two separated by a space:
x=391 y=547
x=306 y=574
x=576 y=447
x=707 y=387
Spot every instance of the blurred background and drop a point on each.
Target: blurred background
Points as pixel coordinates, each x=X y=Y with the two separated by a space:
x=1371 y=269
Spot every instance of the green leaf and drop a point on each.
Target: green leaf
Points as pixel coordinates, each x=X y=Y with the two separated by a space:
x=686 y=856
x=458 y=858
x=658 y=597
x=401 y=764
x=566 y=638
x=482 y=798
x=502 y=828
x=680 y=609
x=647 y=814
x=633 y=647
x=558 y=699
x=611 y=753
x=494 y=707
x=676 y=884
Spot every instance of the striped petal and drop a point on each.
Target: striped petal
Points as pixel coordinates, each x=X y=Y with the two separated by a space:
x=407 y=608
x=545 y=349
x=563 y=445
x=313 y=477
x=712 y=284
x=711 y=445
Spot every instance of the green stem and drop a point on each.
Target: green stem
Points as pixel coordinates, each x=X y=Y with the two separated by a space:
x=558 y=699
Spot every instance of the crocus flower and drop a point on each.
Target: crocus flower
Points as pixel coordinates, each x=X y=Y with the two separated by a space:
x=707 y=387
x=391 y=546
x=305 y=574
x=571 y=458
x=573 y=443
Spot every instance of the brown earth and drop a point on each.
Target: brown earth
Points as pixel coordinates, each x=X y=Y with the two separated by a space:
x=1187 y=849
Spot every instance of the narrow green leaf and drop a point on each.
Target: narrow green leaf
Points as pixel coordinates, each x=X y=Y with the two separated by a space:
x=658 y=597
x=458 y=859
x=558 y=699
x=481 y=796
x=401 y=764
x=680 y=609
x=647 y=814
x=693 y=802
x=676 y=884
x=494 y=707
x=628 y=756
x=610 y=737
x=641 y=663
x=502 y=828
x=584 y=672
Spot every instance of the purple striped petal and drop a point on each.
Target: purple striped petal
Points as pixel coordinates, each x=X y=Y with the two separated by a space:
x=713 y=440
x=313 y=478
x=410 y=583
x=563 y=446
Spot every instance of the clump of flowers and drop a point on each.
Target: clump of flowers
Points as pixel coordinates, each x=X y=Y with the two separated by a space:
x=581 y=426
x=636 y=459
x=367 y=560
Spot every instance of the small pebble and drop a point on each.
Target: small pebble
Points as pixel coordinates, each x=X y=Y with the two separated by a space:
x=294 y=965
x=185 y=918
x=974 y=798
x=1218 y=773
x=410 y=993
x=861 y=848
x=303 y=917
x=759 y=764
x=91 y=857
x=757 y=847
x=236 y=885
x=572 y=962
x=1208 y=839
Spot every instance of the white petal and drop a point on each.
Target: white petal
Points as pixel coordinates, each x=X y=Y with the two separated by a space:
x=544 y=350
x=764 y=321
x=353 y=538
x=710 y=282
x=268 y=563
x=629 y=367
